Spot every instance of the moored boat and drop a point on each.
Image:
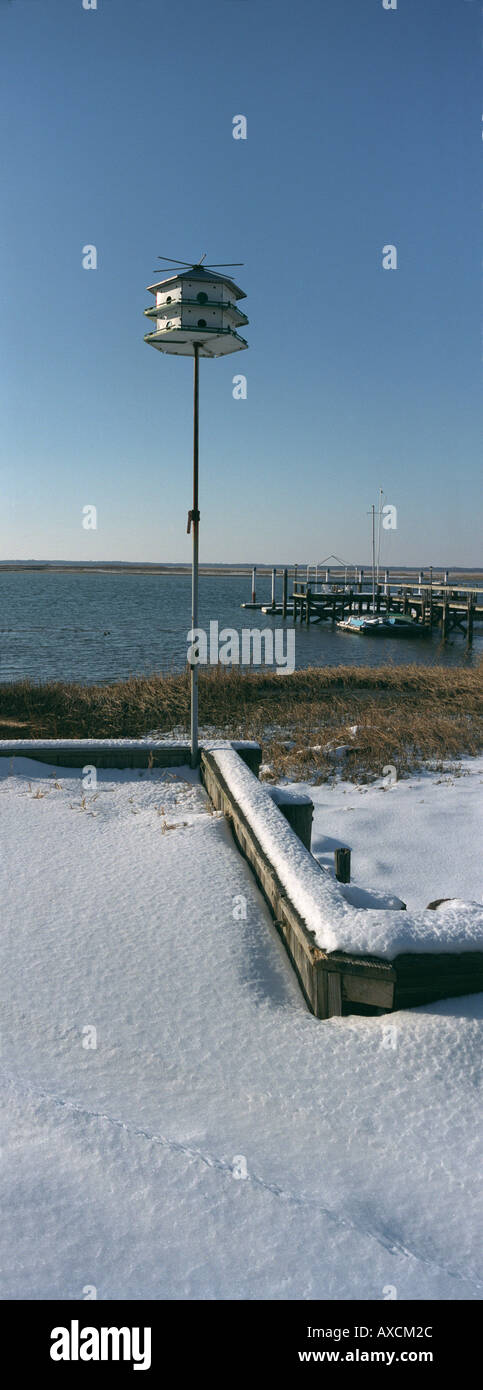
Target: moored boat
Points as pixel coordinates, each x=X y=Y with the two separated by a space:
x=390 y=625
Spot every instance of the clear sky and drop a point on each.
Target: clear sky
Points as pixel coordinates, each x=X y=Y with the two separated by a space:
x=363 y=131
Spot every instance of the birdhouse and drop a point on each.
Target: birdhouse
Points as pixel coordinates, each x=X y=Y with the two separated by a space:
x=196 y=307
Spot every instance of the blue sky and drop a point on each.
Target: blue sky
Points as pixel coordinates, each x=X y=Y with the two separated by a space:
x=363 y=131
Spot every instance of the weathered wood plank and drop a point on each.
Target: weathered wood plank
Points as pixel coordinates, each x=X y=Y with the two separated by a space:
x=79 y=752
x=334 y=994
x=360 y=990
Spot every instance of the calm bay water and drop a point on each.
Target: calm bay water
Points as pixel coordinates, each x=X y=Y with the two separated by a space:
x=102 y=627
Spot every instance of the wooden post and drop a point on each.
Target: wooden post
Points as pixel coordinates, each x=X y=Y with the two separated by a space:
x=254 y=584
x=327 y=575
x=342 y=858
x=469 y=626
x=444 y=619
x=386 y=582
x=378 y=598
x=360 y=580
x=284 y=595
x=307 y=604
x=274 y=583
x=299 y=815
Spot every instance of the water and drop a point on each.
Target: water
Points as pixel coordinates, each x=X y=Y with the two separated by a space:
x=102 y=627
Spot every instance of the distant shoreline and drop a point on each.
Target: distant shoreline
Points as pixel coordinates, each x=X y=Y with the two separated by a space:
x=118 y=568
x=263 y=568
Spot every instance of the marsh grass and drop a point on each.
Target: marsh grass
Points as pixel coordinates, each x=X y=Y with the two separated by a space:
x=384 y=715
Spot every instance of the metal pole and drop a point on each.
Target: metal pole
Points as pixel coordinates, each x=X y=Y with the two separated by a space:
x=373 y=557
x=195 y=521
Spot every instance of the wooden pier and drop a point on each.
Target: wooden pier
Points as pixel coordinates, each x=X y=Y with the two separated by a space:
x=446 y=605
x=334 y=593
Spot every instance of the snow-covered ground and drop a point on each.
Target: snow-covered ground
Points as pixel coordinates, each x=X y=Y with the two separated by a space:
x=420 y=837
x=217 y=1141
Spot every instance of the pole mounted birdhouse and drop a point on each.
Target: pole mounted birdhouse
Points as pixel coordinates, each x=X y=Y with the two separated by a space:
x=196 y=309
x=196 y=315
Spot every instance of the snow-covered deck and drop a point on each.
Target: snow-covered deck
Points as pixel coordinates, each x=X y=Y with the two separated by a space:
x=217 y=1141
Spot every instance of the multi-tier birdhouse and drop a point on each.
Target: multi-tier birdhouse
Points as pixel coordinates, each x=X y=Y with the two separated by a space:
x=196 y=307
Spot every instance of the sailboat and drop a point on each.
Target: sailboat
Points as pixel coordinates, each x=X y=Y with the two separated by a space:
x=390 y=624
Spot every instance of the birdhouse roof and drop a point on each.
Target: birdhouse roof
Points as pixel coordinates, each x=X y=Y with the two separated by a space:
x=197 y=272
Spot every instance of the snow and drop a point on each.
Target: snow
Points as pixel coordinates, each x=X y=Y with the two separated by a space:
x=419 y=837
x=337 y=922
x=218 y=1142
x=284 y=795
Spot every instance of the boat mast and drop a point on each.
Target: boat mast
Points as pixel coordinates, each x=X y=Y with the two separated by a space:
x=373 y=558
x=379 y=515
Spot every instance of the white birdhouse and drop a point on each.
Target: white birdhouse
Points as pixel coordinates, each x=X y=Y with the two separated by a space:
x=196 y=307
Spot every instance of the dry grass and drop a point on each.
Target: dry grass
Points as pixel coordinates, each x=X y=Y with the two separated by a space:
x=403 y=715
